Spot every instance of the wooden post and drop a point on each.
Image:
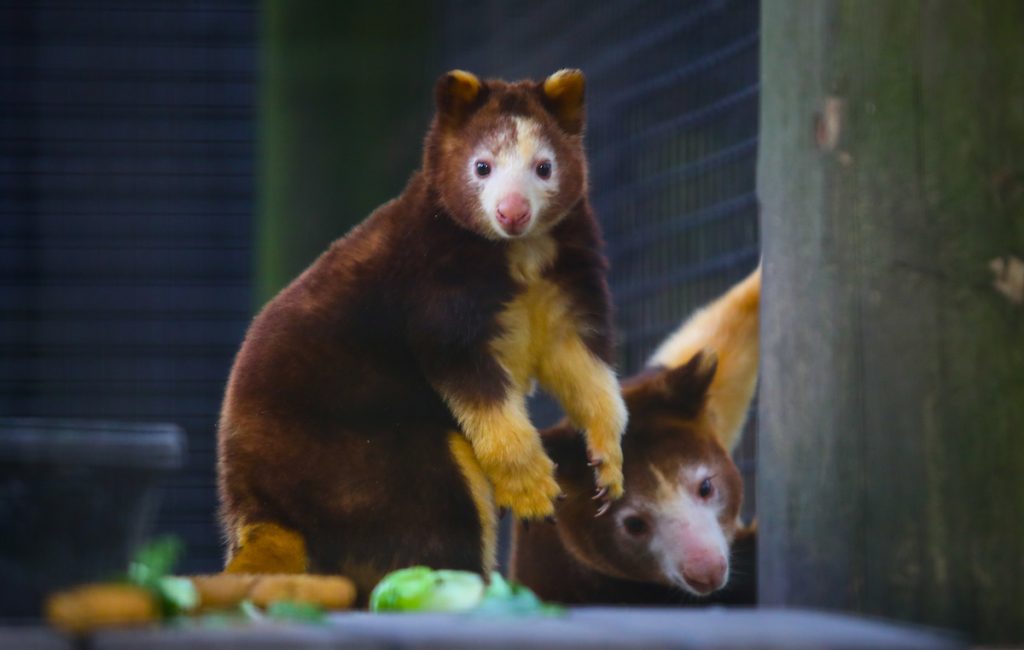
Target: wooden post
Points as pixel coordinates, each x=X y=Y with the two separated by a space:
x=346 y=98
x=891 y=175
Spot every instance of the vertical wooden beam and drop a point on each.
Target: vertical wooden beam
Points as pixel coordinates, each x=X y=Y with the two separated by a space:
x=891 y=175
x=345 y=100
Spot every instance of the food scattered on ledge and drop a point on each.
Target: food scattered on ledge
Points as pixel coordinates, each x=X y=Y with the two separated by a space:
x=91 y=607
x=150 y=594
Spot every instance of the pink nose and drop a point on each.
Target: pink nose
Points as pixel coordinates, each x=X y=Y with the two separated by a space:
x=514 y=212
x=706 y=574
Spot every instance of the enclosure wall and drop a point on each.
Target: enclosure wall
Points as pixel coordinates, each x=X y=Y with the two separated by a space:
x=892 y=405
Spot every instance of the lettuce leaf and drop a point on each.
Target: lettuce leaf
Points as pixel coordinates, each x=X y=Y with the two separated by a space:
x=422 y=589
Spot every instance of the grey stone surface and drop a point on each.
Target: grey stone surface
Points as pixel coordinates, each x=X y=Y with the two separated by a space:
x=33 y=638
x=582 y=628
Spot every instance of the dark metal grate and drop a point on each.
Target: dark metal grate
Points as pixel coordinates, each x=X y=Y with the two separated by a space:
x=126 y=200
x=672 y=140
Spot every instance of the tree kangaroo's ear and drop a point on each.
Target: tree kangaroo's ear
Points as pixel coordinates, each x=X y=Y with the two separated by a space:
x=457 y=94
x=562 y=94
x=728 y=327
x=681 y=390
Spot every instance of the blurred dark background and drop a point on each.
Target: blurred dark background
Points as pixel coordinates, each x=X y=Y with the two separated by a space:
x=165 y=167
x=127 y=197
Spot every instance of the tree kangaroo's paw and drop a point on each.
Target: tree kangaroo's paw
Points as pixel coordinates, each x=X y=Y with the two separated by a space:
x=607 y=464
x=528 y=489
x=604 y=449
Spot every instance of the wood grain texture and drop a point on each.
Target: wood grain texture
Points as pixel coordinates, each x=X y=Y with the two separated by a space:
x=891 y=173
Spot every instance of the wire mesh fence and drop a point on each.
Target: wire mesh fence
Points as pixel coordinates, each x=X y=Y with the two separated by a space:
x=126 y=196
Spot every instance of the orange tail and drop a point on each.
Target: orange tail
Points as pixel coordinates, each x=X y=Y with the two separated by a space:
x=729 y=327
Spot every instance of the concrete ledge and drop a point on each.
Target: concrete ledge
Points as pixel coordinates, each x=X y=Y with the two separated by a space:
x=583 y=628
x=33 y=638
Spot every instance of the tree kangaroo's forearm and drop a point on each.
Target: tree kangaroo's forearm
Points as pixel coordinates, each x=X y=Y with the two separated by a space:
x=589 y=392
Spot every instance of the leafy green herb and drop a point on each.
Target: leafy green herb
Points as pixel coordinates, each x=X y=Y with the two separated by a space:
x=154 y=561
x=250 y=611
x=151 y=570
x=295 y=612
x=177 y=594
x=503 y=597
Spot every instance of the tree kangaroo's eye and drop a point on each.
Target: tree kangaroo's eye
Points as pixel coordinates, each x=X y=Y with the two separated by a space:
x=706 y=489
x=483 y=168
x=544 y=169
x=635 y=525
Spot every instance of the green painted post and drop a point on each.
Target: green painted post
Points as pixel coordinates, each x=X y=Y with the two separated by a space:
x=891 y=175
x=346 y=92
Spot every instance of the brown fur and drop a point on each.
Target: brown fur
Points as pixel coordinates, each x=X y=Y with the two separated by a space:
x=678 y=415
x=335 y=425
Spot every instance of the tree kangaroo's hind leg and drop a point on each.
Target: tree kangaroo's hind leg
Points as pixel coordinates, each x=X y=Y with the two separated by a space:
x=266 y=547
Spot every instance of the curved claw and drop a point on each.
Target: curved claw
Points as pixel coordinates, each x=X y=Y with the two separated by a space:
x=550 y=519
x=596 y=462
x=600 y=493
x=603 y=509
x=562 y=496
